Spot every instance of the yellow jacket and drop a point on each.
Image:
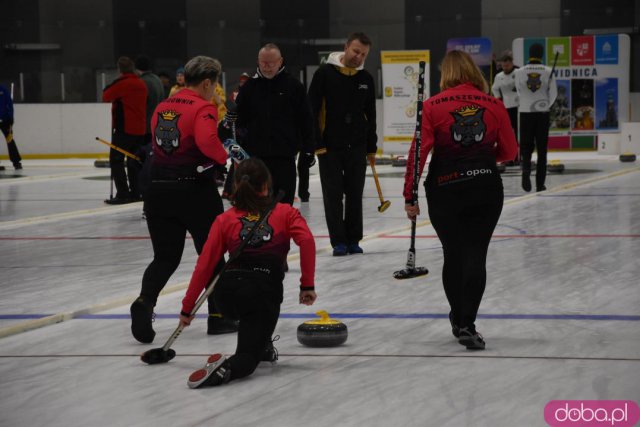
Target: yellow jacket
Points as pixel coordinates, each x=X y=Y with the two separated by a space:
x=222 y=108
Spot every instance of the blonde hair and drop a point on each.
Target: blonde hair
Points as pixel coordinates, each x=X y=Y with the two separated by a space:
x=457 y=68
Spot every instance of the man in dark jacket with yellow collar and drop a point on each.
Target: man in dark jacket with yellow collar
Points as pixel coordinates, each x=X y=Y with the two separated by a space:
x=343 y=102
x=274 y=110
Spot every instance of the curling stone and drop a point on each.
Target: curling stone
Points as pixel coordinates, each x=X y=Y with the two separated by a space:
x=399 y=162
x=101 y=163
x=501 y=167
x=555 y=166
x=383 y=161
x=323 y=332
x=627 y=157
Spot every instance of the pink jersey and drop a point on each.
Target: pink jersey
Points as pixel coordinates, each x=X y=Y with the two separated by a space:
x=185 y=131
x=267 y=251
x=469 y=131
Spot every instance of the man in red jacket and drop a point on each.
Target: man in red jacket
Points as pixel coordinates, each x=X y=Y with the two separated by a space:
x=128 y=97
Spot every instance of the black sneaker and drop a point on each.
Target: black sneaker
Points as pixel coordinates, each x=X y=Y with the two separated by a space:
x=455 y=329
x=340 y=249
x=217 y=325
x=141 y=319
x=118 y=201
x=471 y=339
x=17 y=166
x=526 y=182
x=541 y=188
x=354 y=248
x=2 y=168
x=270 y=353
x=215 y=372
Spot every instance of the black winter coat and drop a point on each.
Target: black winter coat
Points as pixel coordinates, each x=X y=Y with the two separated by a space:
x=276 y=115
x=344 y=108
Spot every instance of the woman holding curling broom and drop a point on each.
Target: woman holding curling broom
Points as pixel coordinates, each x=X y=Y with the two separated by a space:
x=251 y=288
x=469 y=131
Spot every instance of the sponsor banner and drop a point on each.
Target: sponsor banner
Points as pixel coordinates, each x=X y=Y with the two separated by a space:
x=583 y=142
x=607 y=49
x=562 y=142
x=560 y=112
x=593 y=80
x=607 y=104
x=582 y=50
x=400 y=96
x=561 y=46
x=527 y=45
x=480 y=50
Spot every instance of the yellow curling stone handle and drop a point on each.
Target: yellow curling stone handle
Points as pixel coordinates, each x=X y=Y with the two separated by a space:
x=324 y=319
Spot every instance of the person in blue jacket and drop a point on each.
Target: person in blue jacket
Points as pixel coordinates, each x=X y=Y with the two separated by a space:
x=6 y=125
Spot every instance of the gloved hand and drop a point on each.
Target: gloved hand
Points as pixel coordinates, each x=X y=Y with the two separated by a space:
x=309 y=159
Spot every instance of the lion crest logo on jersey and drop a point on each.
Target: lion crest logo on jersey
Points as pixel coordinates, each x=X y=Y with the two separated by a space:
x=468 y=128
x=533 y=81
x=261 y=236
x=167 y=133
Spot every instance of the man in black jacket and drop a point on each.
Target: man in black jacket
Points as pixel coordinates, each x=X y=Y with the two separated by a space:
x=343 y=102
x=274 y=109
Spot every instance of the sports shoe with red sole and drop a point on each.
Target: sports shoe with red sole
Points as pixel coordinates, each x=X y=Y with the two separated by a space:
x=215 y=372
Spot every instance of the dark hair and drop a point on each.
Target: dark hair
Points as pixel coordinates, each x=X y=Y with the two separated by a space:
x=249 y=179
x=536 y=51
x=201 y=68
x=361 y=37
x=506 y=56
x=143 y=63
x=125 y=65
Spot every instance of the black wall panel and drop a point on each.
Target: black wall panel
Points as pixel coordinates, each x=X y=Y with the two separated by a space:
x=430 y=24
x=156 y=28
x=288 y=23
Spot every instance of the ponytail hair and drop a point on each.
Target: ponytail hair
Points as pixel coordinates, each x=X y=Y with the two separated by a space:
x=249 y=179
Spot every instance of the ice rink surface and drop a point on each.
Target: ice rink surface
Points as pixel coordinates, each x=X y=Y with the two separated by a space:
x=560 y=315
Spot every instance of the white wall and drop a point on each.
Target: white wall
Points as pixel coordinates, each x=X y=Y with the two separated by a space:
x=72 y=128
x=42 y=129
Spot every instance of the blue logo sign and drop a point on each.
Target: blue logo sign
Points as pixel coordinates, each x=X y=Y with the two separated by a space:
x=607 y=49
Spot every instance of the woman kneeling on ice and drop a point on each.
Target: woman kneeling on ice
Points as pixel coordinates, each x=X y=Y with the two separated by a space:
x=251 y=287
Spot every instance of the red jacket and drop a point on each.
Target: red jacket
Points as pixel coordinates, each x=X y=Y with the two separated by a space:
x=185 y=131
x=469 y=131
x=270 y=250
x=128 y=97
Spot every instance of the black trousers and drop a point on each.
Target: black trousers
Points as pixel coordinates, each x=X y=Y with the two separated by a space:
x=513 y=118
x=283 y=174
x=228 y=182
x=303 y=177
x=14 y=154
x=254 y=299
x=342 y=175
x=534 y=133
x=464 y=219
x=126 y=182
x=172 y=209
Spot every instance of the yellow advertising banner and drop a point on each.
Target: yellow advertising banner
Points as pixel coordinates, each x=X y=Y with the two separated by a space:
x=400 y=96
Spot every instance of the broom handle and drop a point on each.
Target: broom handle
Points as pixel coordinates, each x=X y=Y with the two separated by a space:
x=411 y=258
x=125 y=152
